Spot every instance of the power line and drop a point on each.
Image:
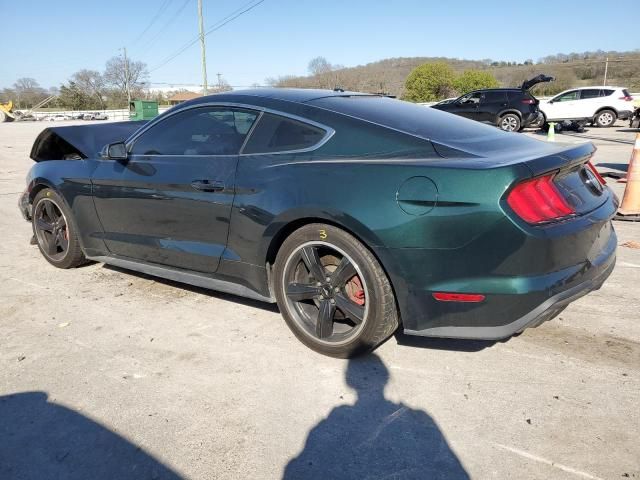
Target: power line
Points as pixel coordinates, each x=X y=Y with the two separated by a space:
x=229 y=18
x=147 y=46
x=162 y=8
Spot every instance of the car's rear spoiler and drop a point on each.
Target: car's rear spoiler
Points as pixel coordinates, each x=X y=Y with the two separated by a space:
x=80 y=141
x=527 y=84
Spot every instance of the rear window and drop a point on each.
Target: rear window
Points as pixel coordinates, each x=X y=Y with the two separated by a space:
x=274 y=133
x=625 y=92
x=425 y=122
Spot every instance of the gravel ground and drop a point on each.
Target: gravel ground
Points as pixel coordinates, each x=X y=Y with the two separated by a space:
x=110 y=374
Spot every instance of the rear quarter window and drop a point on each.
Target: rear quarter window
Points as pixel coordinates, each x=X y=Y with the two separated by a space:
x=275 y=133
x=605 y=92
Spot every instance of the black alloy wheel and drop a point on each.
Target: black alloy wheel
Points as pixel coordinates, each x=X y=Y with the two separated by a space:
x=332 y=292
x=51 y=229
x=326 y=292
x=55 y=231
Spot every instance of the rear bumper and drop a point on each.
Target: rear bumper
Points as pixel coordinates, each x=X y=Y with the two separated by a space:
x=543 y=312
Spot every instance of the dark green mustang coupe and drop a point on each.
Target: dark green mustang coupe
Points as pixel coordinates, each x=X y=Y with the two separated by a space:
x=355 y=213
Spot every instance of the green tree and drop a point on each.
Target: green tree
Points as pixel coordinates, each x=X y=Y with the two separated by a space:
x=74 y=98
x=429 y=82
x=474 y=80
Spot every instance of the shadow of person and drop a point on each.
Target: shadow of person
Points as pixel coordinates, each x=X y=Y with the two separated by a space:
x=40 y=439
x=374 y=438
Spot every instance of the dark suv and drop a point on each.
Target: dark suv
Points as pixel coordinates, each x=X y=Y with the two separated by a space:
x=511 y=109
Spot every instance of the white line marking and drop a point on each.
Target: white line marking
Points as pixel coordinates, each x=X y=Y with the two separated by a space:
x=530 y=456
x=27 y=283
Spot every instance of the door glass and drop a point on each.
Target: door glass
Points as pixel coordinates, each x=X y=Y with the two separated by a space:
x=281 y=134
x=470 y=98
x=565 y=97
x=494 y=97
x=197 y=131
x=589 y=93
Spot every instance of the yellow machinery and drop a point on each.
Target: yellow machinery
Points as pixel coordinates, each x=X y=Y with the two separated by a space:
x=5 y=112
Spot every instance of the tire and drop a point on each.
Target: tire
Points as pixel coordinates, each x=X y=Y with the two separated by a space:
x=349 y=287
x=55 y=230
x=509 y=122
x=605 y=118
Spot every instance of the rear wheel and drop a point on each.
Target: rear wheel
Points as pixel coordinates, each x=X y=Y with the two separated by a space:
x=509 y=122
x=605 y=118
x=55 y=231
x=332 y=292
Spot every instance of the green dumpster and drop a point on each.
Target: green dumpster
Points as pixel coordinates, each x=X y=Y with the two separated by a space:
x=143 y=109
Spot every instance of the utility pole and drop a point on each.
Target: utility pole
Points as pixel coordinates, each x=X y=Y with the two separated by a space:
x=606 y=67
x=202 y=48
x=219 y=81
x=126 y=76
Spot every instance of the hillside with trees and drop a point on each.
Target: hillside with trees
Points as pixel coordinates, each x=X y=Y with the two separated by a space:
x=389 y=75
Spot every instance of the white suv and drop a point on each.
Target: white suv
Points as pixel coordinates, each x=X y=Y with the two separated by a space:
x=599 y=105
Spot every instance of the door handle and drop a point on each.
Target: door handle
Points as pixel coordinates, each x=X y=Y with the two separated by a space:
x=208 y=185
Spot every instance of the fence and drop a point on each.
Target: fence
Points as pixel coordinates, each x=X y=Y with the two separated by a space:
x=117 y=115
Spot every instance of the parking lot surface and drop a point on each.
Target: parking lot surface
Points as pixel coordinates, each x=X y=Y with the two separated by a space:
x=106 y=373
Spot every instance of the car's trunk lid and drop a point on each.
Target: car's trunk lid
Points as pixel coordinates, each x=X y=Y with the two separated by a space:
x=527 y=84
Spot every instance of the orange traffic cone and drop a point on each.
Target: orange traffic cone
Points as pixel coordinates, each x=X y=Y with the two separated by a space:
x=630 y=207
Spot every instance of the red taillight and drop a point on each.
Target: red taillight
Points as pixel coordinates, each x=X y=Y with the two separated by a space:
x=596 y=173
x=538 y=200
x=626 y=98
x=458 y=297
x=528 y=101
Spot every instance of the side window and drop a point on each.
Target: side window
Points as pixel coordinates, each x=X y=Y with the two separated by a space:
x=274 y=133
x=605 y=92
x=197 y=131
x=589 y=93
x=566 y=97
x=494 y=97
x=473 y=97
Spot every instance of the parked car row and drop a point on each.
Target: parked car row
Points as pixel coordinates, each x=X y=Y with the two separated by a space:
x=58 y=117
x=513 y=109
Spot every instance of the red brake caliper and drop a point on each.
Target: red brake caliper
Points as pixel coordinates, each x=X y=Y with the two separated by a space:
x=355 y=291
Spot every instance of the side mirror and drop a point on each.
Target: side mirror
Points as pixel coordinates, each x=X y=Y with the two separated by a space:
x=116 y=151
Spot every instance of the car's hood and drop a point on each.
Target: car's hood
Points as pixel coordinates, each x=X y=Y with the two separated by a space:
x=84 y=141
x=527 y=84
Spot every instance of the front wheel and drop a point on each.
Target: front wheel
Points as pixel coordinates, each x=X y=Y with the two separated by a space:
x=606 y=118
x=332 y=292
x=55 y=231
x=509 y=122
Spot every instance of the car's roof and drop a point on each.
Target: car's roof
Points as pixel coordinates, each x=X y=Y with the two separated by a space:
x=506 y=89
x=296 y=95
x=608 y=87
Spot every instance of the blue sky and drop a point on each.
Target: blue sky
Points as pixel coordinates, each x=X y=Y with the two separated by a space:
x=49 y=40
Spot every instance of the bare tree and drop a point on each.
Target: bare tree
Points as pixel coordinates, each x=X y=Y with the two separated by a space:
x=28 y=92
x=319 y=66
x=115 y=76
x=92 y=84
